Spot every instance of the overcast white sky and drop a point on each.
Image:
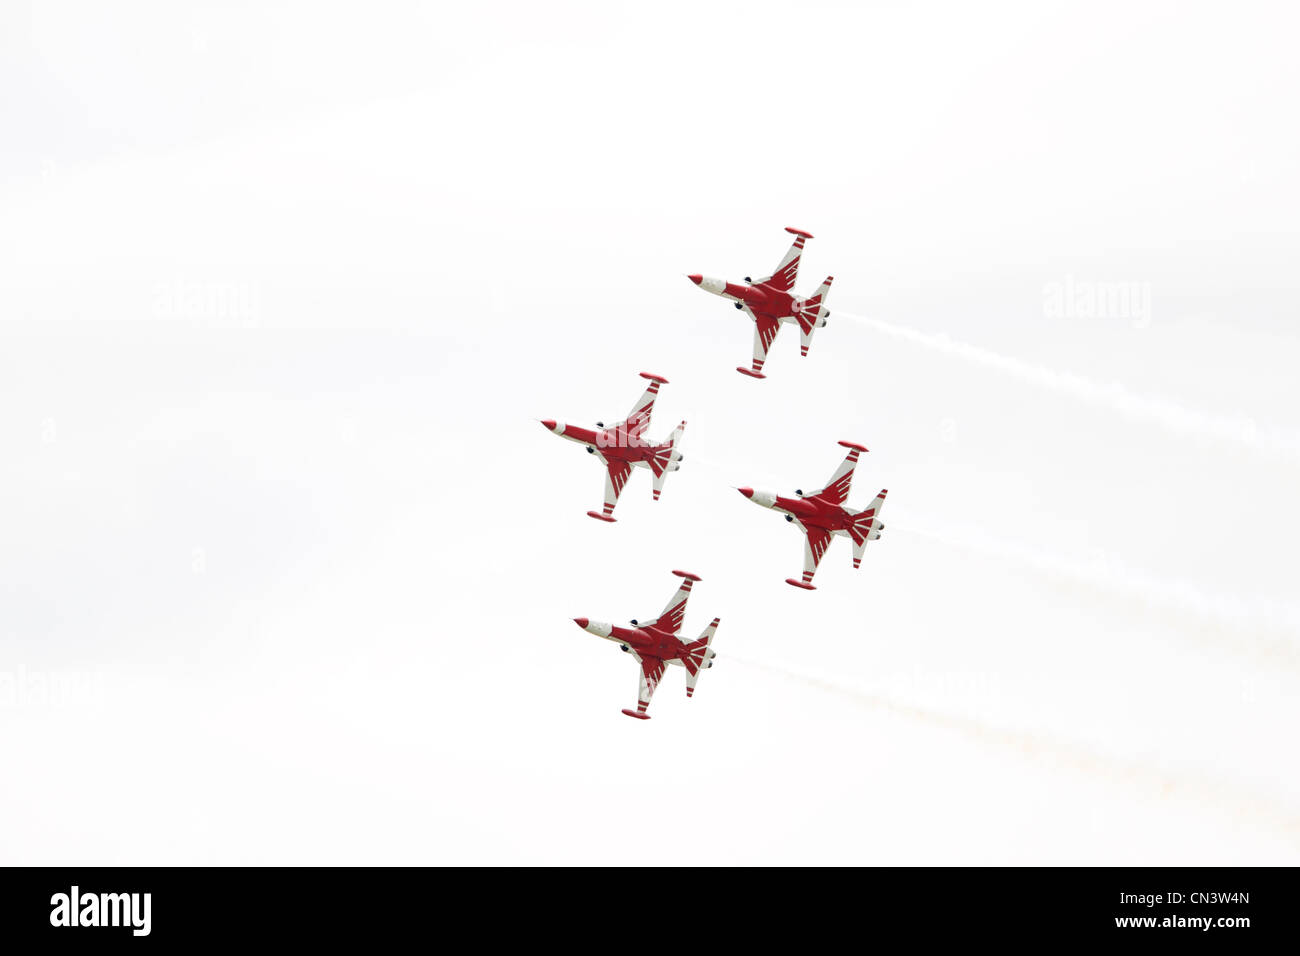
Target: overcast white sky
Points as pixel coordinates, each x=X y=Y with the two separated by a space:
x=288 y=565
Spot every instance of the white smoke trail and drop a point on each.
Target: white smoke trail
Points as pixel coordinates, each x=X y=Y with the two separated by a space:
x=1225 y=795
x=1256 y=624
x=1267 y=626
x=1163 y=412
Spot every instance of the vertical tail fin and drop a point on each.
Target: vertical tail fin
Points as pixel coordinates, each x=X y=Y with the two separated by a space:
x=667 y=458
x=699 y=657
x=812 y=314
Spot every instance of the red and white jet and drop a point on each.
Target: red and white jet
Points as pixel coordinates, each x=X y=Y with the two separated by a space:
x=655 y=645
x=769 y=302
x=823 y=514
x=623 y=447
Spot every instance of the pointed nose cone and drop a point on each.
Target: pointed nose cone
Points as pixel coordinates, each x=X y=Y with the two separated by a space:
x=582 y=622
x=696 y=278
x=764 y=499
x=549 y=423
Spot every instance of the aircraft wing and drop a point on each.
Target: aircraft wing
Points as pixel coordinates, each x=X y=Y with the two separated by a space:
x=616 y=475
x=836 y=491
x=652 y=671
x=765 y=329
x=815 y=543
x=674 y=612
x=638 y=420
x=787 y=271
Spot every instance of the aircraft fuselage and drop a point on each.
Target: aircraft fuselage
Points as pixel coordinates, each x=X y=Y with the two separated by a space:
x=761 y=298
x=611 y=444
x=646 y=641
x=811 y=511
x=814 y=513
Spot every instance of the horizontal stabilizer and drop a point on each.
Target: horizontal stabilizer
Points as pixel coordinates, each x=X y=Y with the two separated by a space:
x=698 y=656
x=812 y=314
x=867 y=526
x=667 y=458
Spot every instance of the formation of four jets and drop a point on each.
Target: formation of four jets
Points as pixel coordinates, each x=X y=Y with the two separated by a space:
x=819 y=515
